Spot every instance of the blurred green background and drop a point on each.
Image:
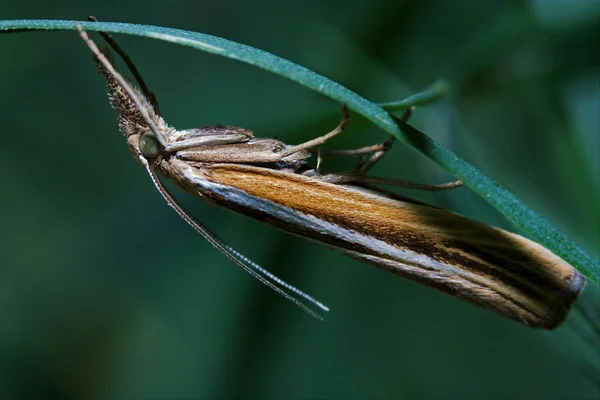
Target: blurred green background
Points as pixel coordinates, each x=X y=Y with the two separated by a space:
x=105 y=292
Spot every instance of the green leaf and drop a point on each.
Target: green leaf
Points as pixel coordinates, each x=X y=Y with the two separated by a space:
x=512 y=208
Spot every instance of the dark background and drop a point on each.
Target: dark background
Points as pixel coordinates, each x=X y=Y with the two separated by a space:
x=105 y=292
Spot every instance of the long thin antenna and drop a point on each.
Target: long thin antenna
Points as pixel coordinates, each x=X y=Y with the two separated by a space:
x=132 y=95
x=130 y=64
x=266 y=273
x=239 y=259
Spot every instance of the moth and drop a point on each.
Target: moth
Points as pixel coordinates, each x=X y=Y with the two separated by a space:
x=270 y=181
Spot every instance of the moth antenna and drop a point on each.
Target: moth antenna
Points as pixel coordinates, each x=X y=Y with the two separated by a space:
x=130 y=65
x=266 y=273
x=232 y=254
x=132 y=95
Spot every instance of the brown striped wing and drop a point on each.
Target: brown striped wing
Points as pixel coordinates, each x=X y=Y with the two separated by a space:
x=487 y=266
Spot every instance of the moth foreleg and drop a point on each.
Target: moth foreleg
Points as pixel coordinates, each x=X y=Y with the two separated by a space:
x=321 y=139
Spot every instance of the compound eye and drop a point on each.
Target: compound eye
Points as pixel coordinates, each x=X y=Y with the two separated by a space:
x=149 y=146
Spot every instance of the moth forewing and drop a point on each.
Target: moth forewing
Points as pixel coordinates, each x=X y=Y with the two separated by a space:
x=487 y=266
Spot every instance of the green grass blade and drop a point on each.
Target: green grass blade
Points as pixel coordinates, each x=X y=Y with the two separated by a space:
x=512 y=208
x=436 y=91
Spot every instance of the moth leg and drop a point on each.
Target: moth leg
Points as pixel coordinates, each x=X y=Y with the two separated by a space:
x=358 y=174
x=409 y=184
x=385 y=146
x=359 y=178
x=359 y=152
x=376 y=156
x=378 y=150
x=321 y=139
x=209 y=140
x=130 y=65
